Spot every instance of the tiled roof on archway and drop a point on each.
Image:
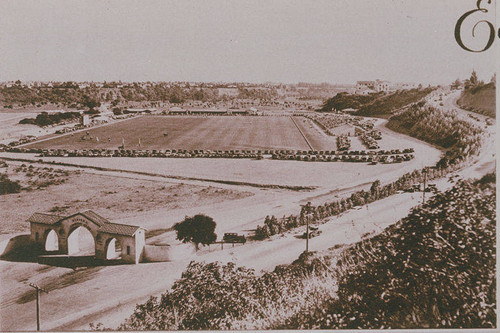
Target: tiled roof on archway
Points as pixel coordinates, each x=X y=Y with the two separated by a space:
x=103 y=223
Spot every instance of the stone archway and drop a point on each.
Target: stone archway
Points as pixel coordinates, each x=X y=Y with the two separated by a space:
x=81 y=241
x=113 y=249
x=104 y=239
x=51 y=241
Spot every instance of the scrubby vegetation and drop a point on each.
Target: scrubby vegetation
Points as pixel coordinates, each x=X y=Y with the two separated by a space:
x=433 y=269
x=29 y=178
x=344 y=100
x=386 y=105
x=461 y=138
x=376 y=104
x=45 y=119
x=8 y=186
x=479 y=99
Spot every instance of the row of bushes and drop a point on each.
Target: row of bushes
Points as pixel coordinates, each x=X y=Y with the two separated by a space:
x=317 y=214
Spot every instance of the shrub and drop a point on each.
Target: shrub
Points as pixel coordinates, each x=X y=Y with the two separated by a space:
x=8 y=186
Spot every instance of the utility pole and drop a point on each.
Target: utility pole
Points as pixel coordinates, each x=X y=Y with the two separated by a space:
x=425 y=180
x=38 y=289
x=307 y=216
x=307 y=233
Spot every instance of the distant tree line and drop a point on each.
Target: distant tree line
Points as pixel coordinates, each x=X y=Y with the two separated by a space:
x=69 y=94
x=45 y=119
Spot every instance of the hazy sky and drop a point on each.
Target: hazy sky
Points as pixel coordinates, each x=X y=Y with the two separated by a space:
x=255 y=41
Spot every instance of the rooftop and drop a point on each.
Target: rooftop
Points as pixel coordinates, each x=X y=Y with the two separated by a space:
x=103 y=224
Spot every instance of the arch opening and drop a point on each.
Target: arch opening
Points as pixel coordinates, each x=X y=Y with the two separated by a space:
x=52 y=241
x=81 y=242
x=113 y=249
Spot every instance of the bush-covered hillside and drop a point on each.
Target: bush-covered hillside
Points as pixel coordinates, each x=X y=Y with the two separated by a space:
x=445 y=129
x=376 y=104
x=433 y=269
x=479 y=99
x=386 y=105
x=344 y=100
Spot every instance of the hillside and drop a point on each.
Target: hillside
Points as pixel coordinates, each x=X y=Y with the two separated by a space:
x=344 y=100
x=480 y=99
x=445 y=129
x=386 y=105
x=379 y=104
x=433 y=269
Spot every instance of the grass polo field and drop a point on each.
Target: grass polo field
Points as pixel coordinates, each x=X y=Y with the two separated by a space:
x=215 y=133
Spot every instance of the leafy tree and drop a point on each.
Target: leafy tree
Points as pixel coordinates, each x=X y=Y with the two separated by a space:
x=199 y=229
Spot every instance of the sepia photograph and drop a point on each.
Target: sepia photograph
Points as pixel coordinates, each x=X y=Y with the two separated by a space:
x=245 y=165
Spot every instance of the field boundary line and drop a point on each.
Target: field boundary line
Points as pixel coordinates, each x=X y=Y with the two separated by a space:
x=152 y=174
x=302 y=133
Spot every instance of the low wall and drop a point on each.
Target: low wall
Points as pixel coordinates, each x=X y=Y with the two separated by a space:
x=159 y=253
x=20 y=245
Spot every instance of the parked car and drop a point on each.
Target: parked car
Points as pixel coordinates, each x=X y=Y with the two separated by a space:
x=231 y=237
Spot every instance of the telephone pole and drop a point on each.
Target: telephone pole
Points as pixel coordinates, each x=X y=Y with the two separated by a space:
x=307 y=216
x=307 y=233
x=425 y=180
x=38 y=289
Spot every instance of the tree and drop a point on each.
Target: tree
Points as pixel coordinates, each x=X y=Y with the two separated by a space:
x=199 y=229
x=494 y=78
x=473 y=78
x=456 y=84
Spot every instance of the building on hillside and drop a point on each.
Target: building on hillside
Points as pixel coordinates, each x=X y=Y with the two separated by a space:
x=55 y=234
x=229 y=91
x=85 y=120
x=368 y=87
